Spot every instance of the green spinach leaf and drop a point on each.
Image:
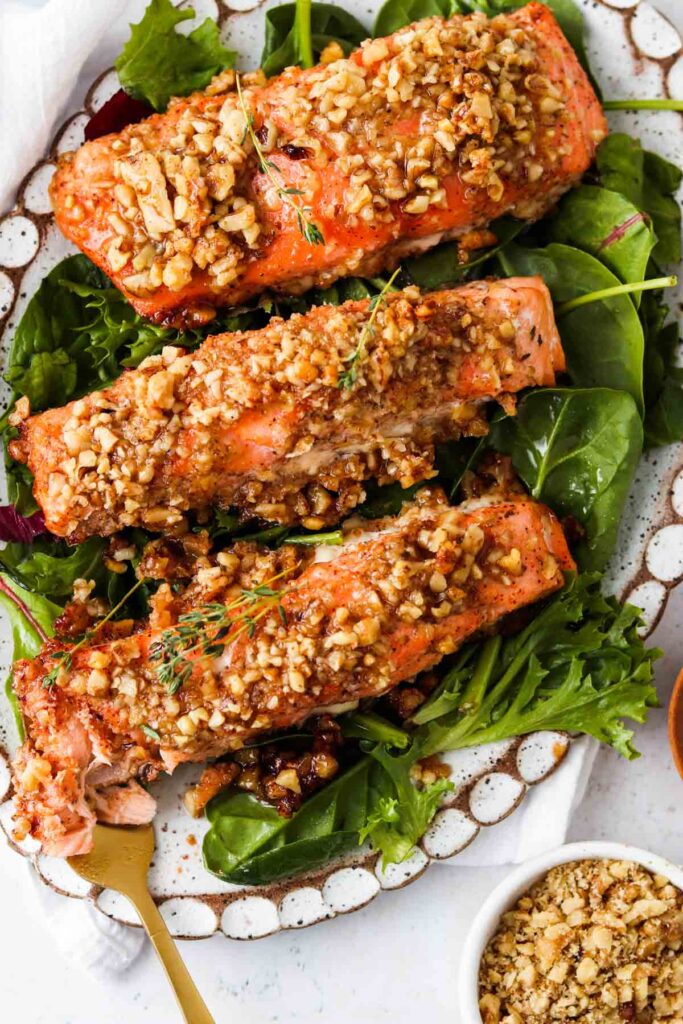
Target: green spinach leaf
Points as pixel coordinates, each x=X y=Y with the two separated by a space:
x=617 y=360
x=577 y=450
x=649 y=182
x=328 y=23
x=158 y=62
x=663 y=377
x=250 y=843
x=394 y=14
x=609 y=227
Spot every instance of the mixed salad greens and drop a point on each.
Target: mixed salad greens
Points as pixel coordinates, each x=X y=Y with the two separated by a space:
x=579 y=664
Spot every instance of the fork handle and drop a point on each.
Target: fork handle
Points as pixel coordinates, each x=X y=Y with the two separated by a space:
x=192 y=1005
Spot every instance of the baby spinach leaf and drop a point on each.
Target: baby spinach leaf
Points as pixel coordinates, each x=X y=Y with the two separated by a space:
x=577 y=449
x=453 y=459
x=387 y=500
x=394 y=14
x=328 y=23
x=609 y=227
x=617 y=361
x=649 y=182
x=663 y=377
x=158 y=62
x=250 y=843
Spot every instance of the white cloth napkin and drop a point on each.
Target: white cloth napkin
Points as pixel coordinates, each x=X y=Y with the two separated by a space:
x=84 y=935
x=41 y=56
x=42 y=51
x=542 y=821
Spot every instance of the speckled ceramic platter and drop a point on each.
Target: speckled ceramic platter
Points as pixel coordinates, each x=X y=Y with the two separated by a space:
x=634 y=51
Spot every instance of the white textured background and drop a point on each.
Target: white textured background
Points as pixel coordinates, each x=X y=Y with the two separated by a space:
x=393 y=961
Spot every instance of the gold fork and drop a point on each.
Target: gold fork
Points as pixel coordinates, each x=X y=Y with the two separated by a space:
x=119 y=860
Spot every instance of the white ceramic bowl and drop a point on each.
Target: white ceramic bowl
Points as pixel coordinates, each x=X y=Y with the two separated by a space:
x=518 y=882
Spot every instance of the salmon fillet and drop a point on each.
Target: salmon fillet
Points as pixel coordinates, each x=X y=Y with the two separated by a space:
x=260 y=420
x=258 y=642
x=425 y=135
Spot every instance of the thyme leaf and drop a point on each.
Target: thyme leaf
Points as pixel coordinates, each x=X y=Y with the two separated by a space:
x=310 y=231
x=349 y=376
x=64 y=659
x=207 y=630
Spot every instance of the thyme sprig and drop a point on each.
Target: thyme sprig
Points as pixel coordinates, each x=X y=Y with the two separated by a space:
x=306 y=226
x=207 y=630
x=64 y=659
x=349 y=376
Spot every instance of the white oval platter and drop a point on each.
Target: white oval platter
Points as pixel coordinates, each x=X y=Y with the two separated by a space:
x=634 y=51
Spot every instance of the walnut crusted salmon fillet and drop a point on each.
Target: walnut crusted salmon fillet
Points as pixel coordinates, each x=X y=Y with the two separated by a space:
x=427 y=134
x=213 y=668
x=262 y=420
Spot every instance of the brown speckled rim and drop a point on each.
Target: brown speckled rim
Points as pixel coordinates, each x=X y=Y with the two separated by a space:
x=667 y=513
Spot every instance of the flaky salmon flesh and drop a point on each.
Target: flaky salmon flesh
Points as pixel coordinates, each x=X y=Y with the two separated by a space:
x=341 y=169
x=258 y=642
x=262 y=420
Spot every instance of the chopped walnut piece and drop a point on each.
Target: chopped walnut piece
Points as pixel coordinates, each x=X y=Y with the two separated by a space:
x=599 y=941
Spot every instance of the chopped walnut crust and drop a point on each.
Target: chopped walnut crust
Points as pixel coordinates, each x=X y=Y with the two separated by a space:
x=595 y=941
x=279 y=773
x=258 y=420
x=465 y=114
x=395 y=600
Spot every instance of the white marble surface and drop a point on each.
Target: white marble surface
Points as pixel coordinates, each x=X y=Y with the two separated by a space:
x=392 y=961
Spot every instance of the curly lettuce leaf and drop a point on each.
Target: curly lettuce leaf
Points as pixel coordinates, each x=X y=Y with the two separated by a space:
x=159 y=62
x=76 y=335
x=50 y=567
x=580 y=666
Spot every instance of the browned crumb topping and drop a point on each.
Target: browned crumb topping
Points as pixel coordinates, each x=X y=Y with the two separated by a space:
x=596 y=941
x=468 y=94
x=280 y=773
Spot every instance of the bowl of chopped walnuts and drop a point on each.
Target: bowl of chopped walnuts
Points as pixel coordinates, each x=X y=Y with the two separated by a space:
x=591 y=930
